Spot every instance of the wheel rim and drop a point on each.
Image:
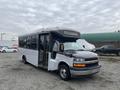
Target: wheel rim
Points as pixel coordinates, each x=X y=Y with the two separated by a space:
x=63 y=73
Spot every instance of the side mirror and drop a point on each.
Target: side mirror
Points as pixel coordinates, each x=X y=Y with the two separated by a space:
x=61 y=47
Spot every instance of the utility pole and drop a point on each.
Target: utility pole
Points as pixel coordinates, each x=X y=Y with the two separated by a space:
x=1 y=35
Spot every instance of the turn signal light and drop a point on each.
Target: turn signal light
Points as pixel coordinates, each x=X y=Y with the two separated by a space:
x=79 y=65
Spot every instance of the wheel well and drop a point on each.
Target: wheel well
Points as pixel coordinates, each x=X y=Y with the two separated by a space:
x=63 y=63
x=4 y=51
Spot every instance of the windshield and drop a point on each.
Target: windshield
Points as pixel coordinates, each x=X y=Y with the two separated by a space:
x=72 y=46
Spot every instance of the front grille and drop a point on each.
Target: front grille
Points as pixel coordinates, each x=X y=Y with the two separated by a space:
x=90 y=59
x=92 y=64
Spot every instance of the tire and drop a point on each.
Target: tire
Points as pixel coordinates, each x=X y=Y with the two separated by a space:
x=24 y=60
x=64 y=72
x=3 y=51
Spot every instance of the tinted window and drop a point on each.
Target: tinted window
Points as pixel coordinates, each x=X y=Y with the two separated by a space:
x=47 y=42
x=22 y=42
x=29 y=42
x=41 y=42
x=44 y=42
x=33 y=42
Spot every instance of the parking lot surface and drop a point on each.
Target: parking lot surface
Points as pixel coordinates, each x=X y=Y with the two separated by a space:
x=14 y=75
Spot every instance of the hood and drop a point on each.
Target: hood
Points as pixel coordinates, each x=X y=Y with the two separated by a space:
x=83 y=54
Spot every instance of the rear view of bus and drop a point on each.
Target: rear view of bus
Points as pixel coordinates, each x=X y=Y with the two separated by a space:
x=58 y=50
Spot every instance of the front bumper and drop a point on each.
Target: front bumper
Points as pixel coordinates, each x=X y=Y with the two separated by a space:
x=84 y=71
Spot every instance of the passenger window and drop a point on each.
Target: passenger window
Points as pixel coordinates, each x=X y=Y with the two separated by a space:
x=33 y=44
x=25 y=42
x=28 y=42
x=41 y=42
x=47 y=42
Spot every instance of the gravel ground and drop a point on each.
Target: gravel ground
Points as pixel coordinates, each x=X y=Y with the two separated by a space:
x=14 y=75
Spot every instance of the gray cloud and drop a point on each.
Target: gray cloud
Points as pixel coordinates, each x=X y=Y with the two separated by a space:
x=22 y=16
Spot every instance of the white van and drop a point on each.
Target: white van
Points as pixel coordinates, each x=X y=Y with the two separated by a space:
x=58 y=50
x=86 y=45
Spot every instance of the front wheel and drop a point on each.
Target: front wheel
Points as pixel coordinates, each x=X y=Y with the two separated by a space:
x=3 y=51
x=64 y=72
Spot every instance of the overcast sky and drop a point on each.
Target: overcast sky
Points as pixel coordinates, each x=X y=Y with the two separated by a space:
x=86 y=16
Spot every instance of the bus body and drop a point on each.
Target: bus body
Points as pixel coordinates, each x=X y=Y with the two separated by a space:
x=58 y=50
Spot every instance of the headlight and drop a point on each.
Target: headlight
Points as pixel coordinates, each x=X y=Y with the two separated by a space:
x=79 y=59
x=82 y=59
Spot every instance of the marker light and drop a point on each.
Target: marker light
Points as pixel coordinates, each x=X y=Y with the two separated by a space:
x=78 y=65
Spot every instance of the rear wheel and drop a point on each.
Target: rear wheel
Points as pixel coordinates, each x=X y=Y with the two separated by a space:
x=64 y=72
x=24 y=59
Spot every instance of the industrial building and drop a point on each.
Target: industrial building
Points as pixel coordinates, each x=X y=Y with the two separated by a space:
x=100 y=39
x=8 y=39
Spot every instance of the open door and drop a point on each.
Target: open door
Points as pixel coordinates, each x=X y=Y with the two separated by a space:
x=43 y=51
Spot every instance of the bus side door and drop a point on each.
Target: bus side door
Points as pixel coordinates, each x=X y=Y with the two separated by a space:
x=43 y=51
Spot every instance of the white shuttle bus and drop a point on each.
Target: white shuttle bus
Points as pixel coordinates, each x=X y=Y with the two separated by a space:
x=58 y=50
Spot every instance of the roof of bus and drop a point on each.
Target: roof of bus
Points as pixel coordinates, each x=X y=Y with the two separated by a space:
x=48 y=30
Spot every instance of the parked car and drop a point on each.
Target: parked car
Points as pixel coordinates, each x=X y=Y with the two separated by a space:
x=5 y=49
x=108 y=49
